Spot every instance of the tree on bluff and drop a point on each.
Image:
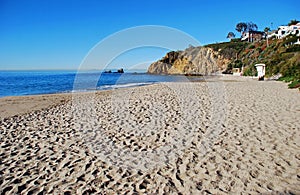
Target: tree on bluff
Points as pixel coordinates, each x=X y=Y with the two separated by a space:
x=243 y=27
x=251 y=26
x=293 y=22
x=230 y=35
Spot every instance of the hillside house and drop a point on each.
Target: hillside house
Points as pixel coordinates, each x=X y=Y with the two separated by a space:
x=284 y=31
x=253 y=36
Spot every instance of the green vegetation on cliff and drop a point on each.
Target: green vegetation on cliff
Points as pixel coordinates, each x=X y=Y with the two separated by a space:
x=229 y=49
x=281 y=57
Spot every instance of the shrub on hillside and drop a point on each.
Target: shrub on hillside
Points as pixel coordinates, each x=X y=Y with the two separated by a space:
x=250 y=71
x=294 y=48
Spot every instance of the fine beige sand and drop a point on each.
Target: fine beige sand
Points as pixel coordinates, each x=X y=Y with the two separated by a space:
x=228 y=135
x=10 y=106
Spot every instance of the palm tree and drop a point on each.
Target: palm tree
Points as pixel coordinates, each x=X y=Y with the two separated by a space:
x=267 y=29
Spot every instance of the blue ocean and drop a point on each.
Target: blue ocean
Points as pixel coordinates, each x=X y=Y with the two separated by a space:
x=19 y=83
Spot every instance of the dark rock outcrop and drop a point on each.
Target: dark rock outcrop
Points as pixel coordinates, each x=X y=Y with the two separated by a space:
x=120 y=70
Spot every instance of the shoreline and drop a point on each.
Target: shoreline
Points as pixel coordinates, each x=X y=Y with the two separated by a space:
x=18 y=105
x=15 y=105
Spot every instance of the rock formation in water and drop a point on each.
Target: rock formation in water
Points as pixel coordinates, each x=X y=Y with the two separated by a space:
x=192 y=61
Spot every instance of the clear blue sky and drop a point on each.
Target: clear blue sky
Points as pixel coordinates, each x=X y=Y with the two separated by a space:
x=57 y=34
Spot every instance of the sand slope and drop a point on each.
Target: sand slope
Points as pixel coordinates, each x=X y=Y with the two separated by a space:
x=223 y=136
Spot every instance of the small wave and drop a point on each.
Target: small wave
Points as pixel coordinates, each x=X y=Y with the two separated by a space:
x=80 y=90
x=127 y=85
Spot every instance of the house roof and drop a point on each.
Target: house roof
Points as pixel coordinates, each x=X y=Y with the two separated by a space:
x=256 y=32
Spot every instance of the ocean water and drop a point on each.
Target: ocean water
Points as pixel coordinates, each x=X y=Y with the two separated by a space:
x=18 y=83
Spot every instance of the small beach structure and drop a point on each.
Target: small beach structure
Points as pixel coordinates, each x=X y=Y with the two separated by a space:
x=261 y=70
x=236 y=71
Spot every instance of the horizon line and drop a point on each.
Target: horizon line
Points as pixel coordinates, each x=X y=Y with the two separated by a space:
x=66 y=69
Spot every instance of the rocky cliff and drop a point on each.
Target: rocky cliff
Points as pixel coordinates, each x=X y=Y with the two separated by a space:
x=193 y=61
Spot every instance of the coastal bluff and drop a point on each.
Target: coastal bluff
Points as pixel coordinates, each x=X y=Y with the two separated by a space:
x=191 y=61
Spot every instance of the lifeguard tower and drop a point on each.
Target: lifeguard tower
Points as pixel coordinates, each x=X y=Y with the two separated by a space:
x=261 y=70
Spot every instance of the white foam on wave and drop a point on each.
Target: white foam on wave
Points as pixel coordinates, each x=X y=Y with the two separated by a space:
x=117 y=86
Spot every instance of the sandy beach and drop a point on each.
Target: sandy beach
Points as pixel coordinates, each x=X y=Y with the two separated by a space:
x=228 y=135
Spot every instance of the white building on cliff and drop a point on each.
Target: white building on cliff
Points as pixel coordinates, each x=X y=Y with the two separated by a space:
x=284 y=31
